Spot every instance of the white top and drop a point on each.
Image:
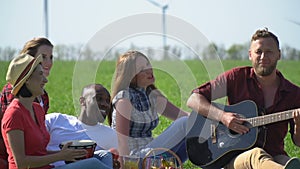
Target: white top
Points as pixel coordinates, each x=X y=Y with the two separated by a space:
x=63 y=127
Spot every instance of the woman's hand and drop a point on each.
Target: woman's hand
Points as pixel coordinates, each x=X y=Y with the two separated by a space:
x=69 y=154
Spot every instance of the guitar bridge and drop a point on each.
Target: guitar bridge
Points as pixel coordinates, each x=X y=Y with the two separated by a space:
x=213 y=133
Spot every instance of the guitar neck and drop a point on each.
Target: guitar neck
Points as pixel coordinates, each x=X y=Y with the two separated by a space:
x=270 y=118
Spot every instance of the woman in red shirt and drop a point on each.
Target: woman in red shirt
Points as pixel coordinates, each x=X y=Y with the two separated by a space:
x=34 y=47
x=23 y=124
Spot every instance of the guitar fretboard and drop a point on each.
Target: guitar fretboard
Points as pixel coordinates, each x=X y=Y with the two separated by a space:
x=270 y=118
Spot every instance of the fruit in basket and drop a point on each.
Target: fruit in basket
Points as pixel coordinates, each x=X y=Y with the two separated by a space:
x=161 y=161
x=165 y=163
x=131 y=165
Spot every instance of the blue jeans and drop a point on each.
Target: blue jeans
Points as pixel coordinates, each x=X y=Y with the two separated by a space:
x=173 y=138
x=105 y=157
x=90 y=163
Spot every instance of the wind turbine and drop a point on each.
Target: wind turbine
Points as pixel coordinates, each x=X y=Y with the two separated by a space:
x=295 y=22
x=46 y=17
x=164 y=7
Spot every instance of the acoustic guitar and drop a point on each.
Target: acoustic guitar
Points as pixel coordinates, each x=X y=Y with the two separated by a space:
x=212 y=145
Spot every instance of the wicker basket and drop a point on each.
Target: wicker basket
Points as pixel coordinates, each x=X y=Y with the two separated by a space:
x=152 y=154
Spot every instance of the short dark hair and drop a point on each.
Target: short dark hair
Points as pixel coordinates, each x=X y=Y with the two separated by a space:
x=93 y=86
x=264 y=33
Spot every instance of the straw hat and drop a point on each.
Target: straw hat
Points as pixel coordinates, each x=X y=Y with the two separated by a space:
x=20 y=69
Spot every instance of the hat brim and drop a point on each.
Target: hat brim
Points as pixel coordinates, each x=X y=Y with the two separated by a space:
x=18 y=86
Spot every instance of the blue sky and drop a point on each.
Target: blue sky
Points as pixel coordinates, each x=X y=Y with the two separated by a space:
x=224 y=22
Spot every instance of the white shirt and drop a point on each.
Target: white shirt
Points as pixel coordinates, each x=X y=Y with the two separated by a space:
x=63 y=127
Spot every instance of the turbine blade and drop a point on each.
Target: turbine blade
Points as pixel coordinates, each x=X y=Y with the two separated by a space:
x=295 y=22
x=155 y=3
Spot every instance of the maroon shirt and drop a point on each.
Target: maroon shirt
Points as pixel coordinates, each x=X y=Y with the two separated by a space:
x=240 y=84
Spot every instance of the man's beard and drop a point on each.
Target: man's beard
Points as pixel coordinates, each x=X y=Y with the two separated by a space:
x=264 y=71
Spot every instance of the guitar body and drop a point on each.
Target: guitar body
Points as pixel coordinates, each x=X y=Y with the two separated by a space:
x=211 y=145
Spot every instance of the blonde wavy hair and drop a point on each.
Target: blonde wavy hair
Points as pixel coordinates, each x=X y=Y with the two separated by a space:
x=124 y=76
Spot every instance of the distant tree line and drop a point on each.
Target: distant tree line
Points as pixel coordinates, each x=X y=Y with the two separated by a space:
x=211 y=51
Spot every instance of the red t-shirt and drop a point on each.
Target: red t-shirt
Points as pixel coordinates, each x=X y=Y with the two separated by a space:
x=239 y=84
x=5 y=99
x=36 y=137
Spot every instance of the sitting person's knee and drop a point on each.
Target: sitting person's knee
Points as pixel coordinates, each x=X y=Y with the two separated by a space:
x=258 y=150
x=259 y=153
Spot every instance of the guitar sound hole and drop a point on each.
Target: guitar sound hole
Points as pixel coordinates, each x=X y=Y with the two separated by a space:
x=233 y=132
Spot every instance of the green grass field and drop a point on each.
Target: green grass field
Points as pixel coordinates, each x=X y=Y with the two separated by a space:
x=175 y=79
